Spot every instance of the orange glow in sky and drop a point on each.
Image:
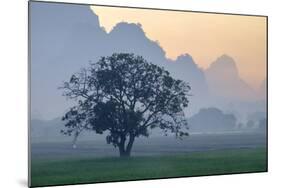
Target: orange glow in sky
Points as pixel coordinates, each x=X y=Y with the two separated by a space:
x=204 y=36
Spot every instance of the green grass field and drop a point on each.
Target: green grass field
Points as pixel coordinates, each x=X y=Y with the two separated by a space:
x=44 y=172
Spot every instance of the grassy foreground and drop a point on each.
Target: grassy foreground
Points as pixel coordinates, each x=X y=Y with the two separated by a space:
x=116 y=169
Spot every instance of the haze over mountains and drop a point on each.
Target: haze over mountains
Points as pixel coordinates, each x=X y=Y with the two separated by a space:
x=224 y=81
x=65 y=38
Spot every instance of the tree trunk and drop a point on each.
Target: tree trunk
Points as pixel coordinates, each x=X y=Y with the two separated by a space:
x=125 y=151
x=121 y=146
x=130 y=145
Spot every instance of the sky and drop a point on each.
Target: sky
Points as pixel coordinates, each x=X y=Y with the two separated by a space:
x=204 y=36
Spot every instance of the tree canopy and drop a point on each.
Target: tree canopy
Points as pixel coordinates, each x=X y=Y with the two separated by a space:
x=124 y=97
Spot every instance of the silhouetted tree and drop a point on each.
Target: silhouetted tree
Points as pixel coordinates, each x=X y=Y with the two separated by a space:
x=212 y=119
x=262 y=125
x=240 y=125
x=250 y=124
x=124 y=96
